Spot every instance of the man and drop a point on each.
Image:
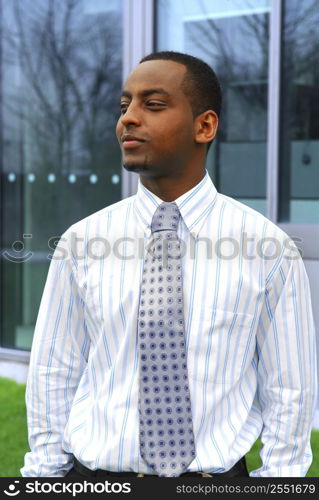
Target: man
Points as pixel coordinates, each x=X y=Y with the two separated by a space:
x=175 y=325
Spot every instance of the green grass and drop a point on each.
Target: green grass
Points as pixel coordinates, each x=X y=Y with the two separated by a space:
x=13 y=434
x=13 y=428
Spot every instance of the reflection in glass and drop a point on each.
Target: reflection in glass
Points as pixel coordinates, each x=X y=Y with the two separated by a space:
x=299 y=152
x=61 y=76
x=233 y=38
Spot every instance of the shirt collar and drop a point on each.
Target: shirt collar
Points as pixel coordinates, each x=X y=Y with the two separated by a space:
x=194 y=205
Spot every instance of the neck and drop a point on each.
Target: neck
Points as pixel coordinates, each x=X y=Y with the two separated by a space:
x=169 y=189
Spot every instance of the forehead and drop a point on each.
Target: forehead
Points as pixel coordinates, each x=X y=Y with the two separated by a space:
x=167 y=75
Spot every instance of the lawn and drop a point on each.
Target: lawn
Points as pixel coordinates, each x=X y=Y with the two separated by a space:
x=14 y=444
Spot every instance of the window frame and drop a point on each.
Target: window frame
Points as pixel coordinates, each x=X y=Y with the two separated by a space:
x=307 y=234
x=138 y=40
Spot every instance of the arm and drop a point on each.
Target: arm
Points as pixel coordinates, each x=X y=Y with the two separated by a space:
x=58 y=358
x=287 y=372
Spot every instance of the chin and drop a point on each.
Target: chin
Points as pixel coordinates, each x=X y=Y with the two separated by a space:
x=136 y=167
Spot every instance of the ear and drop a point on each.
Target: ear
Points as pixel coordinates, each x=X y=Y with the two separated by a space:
x=206 y=125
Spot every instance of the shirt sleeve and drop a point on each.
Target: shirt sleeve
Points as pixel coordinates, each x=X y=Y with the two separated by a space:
x=58 y=358
x=287 y=371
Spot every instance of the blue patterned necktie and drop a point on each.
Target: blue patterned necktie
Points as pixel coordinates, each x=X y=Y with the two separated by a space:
x=166 y=429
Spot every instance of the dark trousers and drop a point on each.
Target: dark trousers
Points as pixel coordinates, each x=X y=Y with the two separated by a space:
x=79 y=471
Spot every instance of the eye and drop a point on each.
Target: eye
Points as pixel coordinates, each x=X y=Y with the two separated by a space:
x=156 y=105
x=123 y=107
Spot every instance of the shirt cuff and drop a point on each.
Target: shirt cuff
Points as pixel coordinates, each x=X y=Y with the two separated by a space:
x=285 y=471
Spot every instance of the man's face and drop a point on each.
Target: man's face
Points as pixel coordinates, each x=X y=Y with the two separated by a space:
x=156 y=126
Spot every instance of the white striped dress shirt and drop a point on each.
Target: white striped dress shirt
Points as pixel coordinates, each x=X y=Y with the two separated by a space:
x=249 y=332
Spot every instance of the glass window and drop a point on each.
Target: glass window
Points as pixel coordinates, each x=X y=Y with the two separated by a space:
x=61 y=77
x=232 y=37
x=299 y=151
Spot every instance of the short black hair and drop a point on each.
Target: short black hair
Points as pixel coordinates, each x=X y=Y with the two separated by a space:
x=200 y=83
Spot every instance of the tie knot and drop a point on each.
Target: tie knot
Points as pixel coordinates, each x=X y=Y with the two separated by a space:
x=166 y=217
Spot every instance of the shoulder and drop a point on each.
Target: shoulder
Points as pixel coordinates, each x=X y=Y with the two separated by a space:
x=258 y=236
x=99 y=221
x=252 y=221
x=77 y=238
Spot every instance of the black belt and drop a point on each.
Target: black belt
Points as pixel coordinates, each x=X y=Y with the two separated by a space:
x=239 y=469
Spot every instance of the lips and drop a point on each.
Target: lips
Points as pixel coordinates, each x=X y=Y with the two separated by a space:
x=131 y=141
x=130 y=138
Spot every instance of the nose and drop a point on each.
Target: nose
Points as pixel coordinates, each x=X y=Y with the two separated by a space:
x=131 y=116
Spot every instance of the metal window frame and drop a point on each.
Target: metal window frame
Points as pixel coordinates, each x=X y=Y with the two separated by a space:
x=17 y=355
x=138 y=40
x=273 y=123
x=306 y=234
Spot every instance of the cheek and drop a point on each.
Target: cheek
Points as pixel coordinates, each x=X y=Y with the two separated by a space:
x=118 y=129
x=177 y=138
x=171 y=134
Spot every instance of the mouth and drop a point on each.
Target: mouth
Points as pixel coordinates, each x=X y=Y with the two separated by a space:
x=131 y=142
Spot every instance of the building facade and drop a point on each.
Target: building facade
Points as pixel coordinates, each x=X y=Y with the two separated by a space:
x=62 y=67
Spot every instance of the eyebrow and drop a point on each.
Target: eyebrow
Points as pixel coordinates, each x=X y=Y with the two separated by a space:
x=146 y=93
